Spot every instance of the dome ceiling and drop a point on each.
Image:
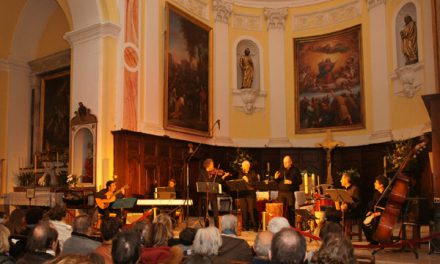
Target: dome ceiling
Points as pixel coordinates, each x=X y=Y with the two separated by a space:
x=277 y=3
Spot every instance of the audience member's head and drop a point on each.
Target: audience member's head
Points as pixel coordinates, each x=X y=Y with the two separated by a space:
x=110 y=228
x=199 y=259
x=146 y=235
x=82 y=223
x=56 y=213
x=329 y=228
x=16 y=222
x=262 y=244
x=288 y=246
x=187 y=235
x=4 y=242
x=34 y=215
x=126 y=248
x=43 y=237
x=159 y=235
x=229 y=223
x=277 y=223
x=335 y=248
x=207 y=241
x=166 y=220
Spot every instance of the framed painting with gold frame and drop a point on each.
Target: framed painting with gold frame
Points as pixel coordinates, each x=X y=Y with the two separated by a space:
x=55 y=111
x=188 y=73
x=329 y=82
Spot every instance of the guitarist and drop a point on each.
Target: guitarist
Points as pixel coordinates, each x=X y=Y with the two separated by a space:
x=373 y=215
x=106 y=197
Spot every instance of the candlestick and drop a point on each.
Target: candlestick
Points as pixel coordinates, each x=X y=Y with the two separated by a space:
x=56 y=166
x=306 y=183
x=35 y=164
x=268 y=166
x=318 y=180
x=385 y=164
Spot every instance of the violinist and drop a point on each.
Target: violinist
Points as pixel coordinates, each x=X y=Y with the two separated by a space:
x=374 y=209
x=210 y=174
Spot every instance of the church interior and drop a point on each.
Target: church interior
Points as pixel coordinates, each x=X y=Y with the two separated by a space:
x=142 y=92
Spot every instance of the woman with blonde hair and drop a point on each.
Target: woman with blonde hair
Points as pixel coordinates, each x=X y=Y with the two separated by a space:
x=4 y=246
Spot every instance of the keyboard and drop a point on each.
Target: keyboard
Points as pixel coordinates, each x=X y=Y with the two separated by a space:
x=164 y=202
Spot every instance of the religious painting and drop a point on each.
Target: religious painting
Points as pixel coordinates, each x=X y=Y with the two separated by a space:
x=329 y=83
x=54 y=111
x=188 y=71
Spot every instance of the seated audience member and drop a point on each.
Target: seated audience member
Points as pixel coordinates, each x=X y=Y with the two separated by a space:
x=166 y=220
x=42 y=244
x=80 y=241
x=56 y=215
x=32 y=217
x=233 y=248
x=156 y=248
x=109 y=229
x=186 y=239
x=327 y=229
x=17 y=226
x=262 y=244
x=4 y=246
x=206 y=246
x=126 y=248
x=73 y=259
x=288 y=246
x=336 y=248
x=277 y=223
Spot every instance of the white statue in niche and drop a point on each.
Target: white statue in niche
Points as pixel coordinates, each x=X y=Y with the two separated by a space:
x=247 y=69
x=409 y=41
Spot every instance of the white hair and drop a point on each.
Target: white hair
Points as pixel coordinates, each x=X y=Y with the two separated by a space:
x=229 y=222
x=207 y=241
x=277 y=223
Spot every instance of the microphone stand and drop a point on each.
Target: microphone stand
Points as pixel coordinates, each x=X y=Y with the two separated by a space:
x=186 y=203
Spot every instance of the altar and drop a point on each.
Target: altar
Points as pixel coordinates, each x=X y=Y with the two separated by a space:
x=38 y=196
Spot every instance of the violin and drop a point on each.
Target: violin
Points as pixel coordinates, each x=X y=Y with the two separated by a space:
x=218 y=172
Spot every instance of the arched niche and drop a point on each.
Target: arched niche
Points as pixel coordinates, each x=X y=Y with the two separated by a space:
x=407 y=10
x=251 y=99
x=83 y=146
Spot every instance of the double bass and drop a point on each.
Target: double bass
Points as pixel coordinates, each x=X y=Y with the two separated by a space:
x=397 y=197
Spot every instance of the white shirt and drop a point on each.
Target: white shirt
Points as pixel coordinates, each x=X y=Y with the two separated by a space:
x=64 y=231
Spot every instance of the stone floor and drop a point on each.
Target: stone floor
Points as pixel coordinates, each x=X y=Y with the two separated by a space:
x=384 y=256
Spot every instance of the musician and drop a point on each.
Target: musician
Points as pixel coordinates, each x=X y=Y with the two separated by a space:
x=210 y=174
x=248 y=198
x=350 y=210
x=375 y=208
x=107 y=197
x=289 y=179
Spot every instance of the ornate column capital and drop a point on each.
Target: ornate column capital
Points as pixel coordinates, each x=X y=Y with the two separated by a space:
x=223 y=10
x=375 y=3
x=275 y=17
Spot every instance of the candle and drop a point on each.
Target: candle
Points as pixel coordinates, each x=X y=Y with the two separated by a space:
x=35 y=164
x=385 y=163
x=306 y=183
x=313 y=179
x=268 y=166
x=56 y=166
x=318 y=180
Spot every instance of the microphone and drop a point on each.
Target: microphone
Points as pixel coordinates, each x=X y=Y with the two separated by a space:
x=218 y=121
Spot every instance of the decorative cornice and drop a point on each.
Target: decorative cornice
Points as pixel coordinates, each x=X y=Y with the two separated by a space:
x=277 y=3
x=279 y=142
x=275 y=17
x=246 y=22
x=52 y=62
x=223 y=11
x=13 y=65
x=197 y=7
x=326 y=17
x=99 y=30
x=375 y=3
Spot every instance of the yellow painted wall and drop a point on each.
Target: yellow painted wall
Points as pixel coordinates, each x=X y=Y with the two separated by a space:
x=4 y=83
x=109 y=11
x=406 y=112
x=9 y=14
x=52 y=39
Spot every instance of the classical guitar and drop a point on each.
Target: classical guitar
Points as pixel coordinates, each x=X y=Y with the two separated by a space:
x=110 y=197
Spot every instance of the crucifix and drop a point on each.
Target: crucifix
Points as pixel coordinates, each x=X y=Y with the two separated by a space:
x=328 y=145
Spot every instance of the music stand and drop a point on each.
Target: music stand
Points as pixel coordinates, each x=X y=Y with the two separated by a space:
x=265 y=186
x=238 y=186
x=339 y=195
x=124 y=203
x=208 y=187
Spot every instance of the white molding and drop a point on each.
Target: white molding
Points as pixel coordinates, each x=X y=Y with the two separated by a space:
x=381 y=135
x=247 y=22
x=327 y=17
x=275 y=17
x=279 y=142
x=196 y=7
x=375 y=3
x=223 y=10
x=14 y=65
x=278 y=3
x=99 y=30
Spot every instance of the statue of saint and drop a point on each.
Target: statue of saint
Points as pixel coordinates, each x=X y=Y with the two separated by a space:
x=247 y=69
x=409 y=41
